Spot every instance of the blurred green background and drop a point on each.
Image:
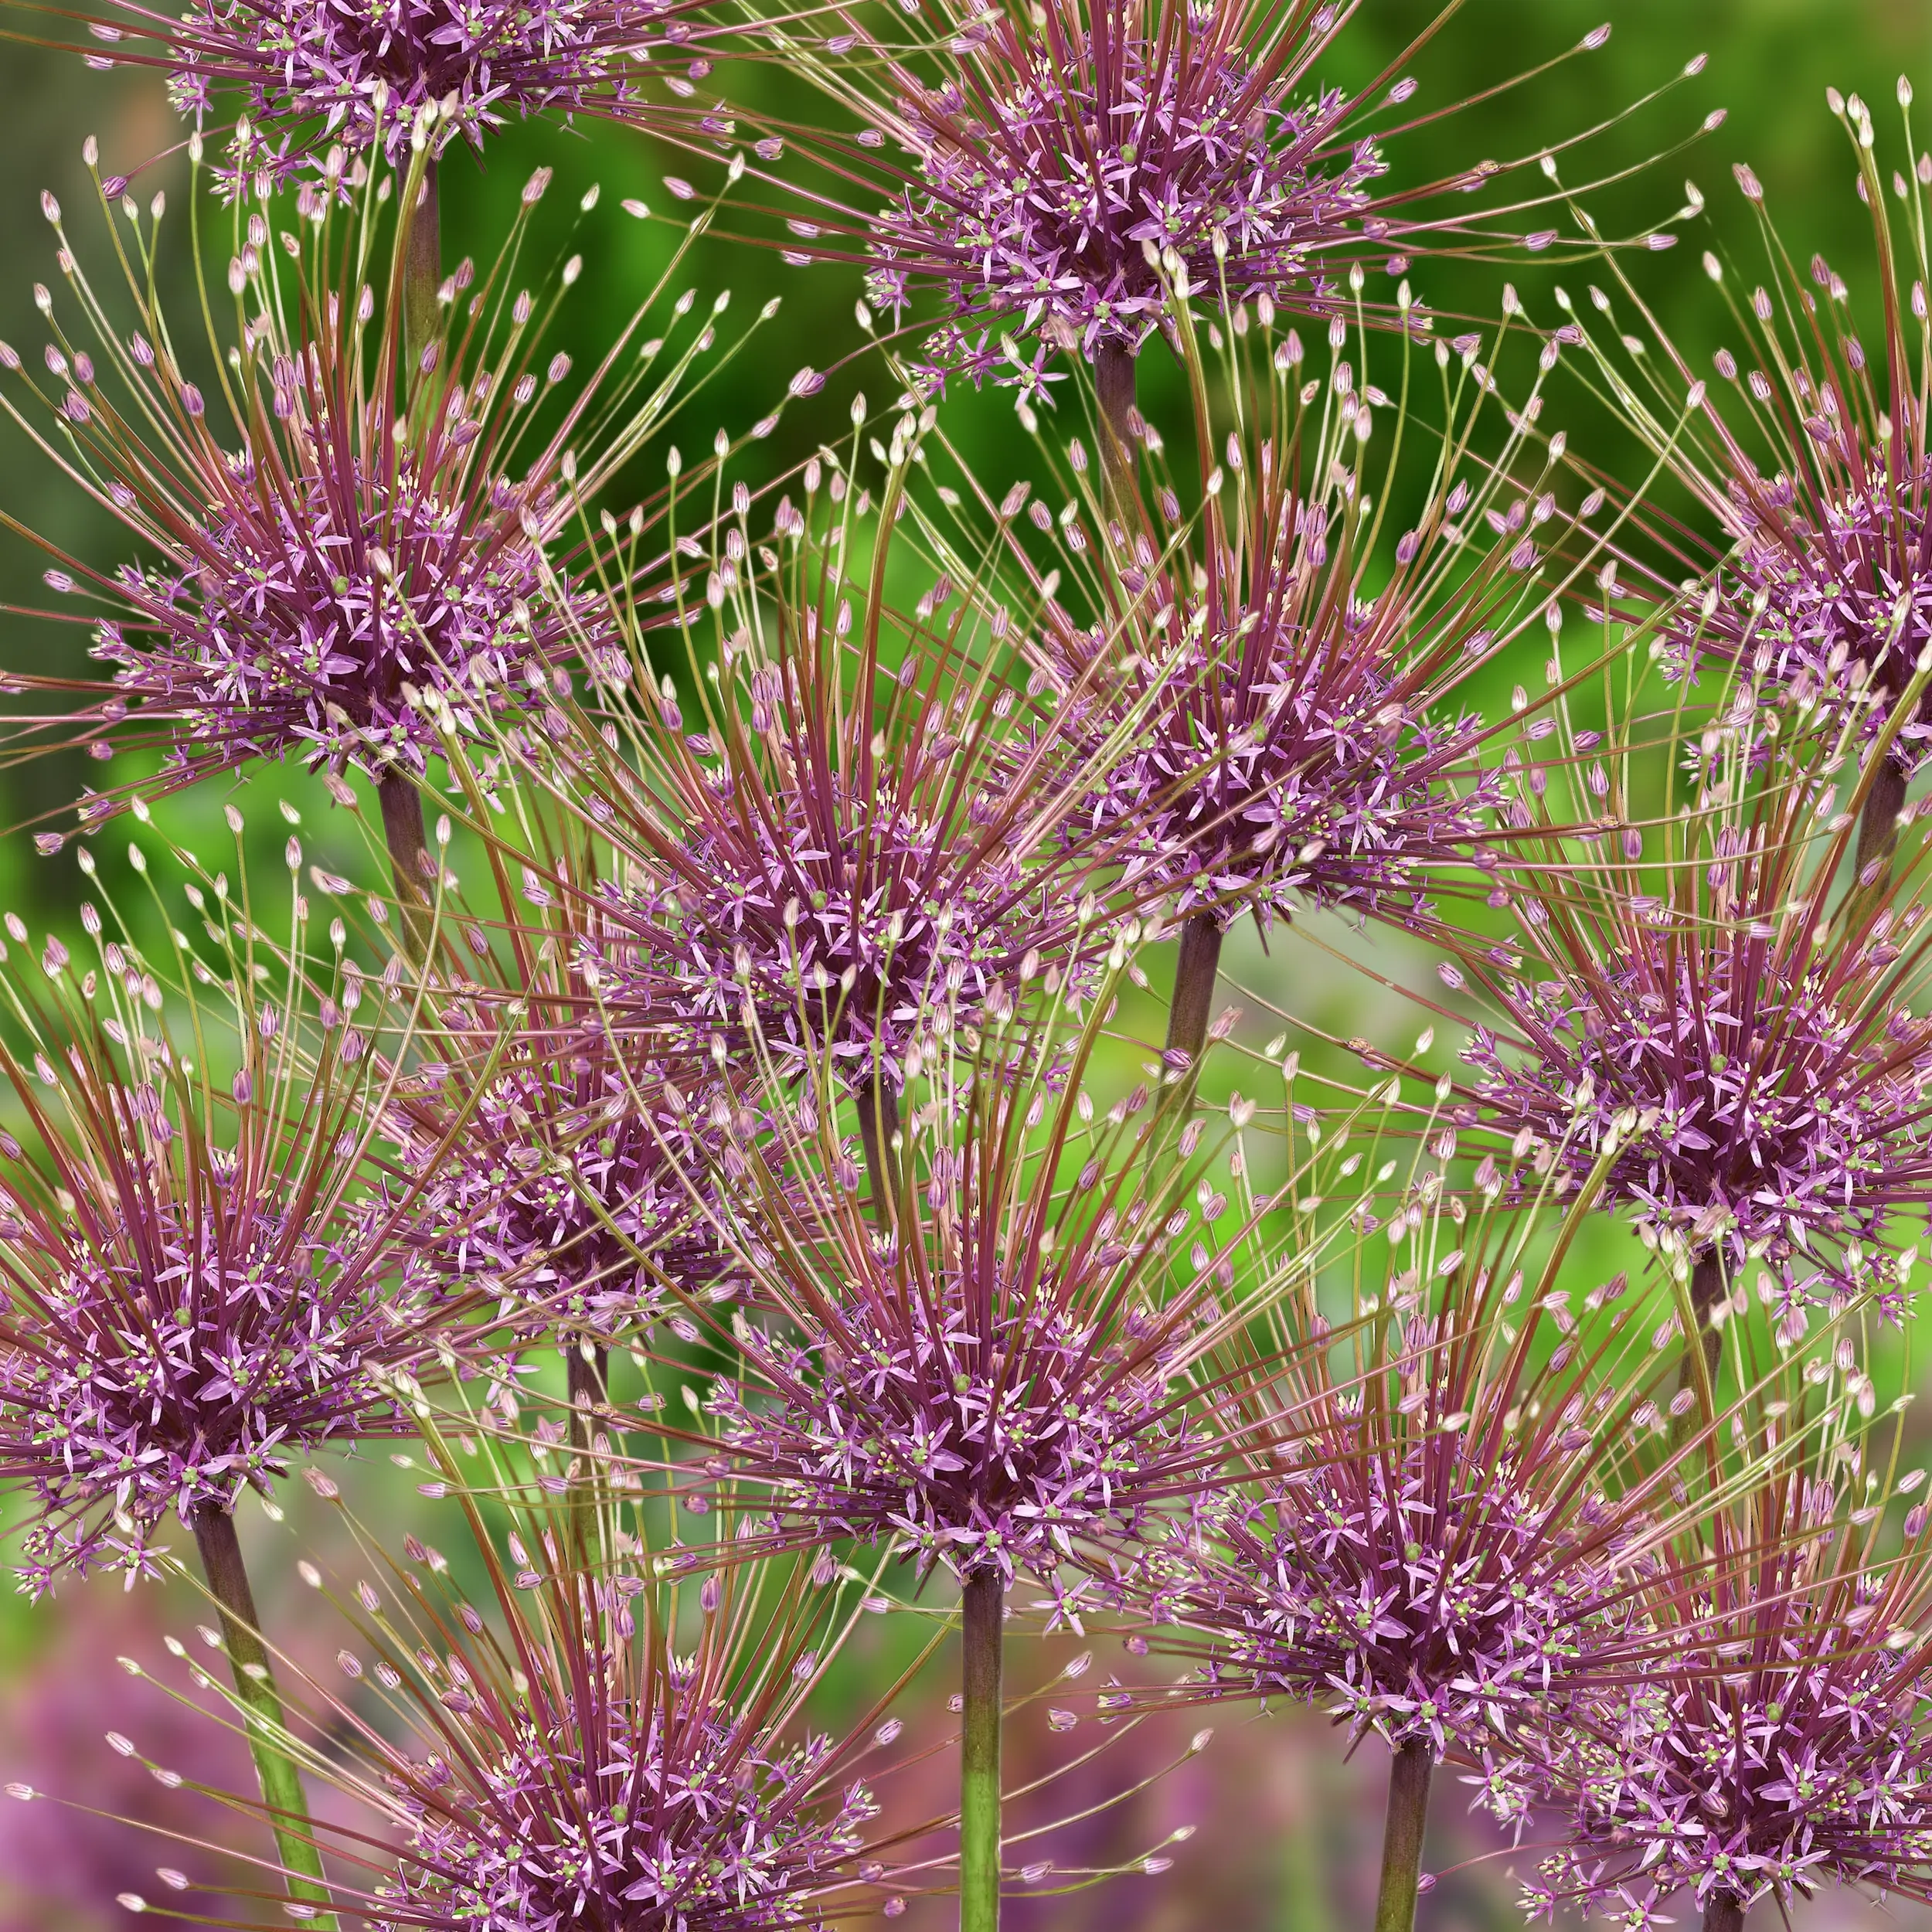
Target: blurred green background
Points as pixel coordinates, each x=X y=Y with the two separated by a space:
x=1282 y=1833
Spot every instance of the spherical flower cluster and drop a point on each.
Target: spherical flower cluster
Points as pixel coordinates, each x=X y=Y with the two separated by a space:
x=353 y=539
x=579 y=1193
x=157 y=1367
x=328 y=71
x=1046 y=177
x=848 y=930
x=1775 y=1101
x=907 y=1421
x=669 y=1814
x=1424 y=1598
x=1300 y=778
x=1816 y=1769
x=1835 y=610
x=308 y=605
x=1762 y=1729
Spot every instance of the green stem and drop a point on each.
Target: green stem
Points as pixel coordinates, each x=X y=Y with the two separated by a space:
x=408 y=849
x=1113 y=370
x=1877 y=843
x=1724 y=1913
x=1194 y=974
x=586 y=1368
x=878 y=1128
x=982 y=1607
x=281 y=1783
x=1408 y=1775
x=1707 y=1290
x=423 y=276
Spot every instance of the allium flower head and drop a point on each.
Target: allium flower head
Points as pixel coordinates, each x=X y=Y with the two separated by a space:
x=1265 y=714
x=1442 y=1537
x=1810 y=453
x=588 y=1745
x=1762 y=1728
x=1021 y=1366
x=1066 y=166
x=317 y=73
x=350 y=537
x=198 y=1289
x=849 y=858
x=1771 y=1074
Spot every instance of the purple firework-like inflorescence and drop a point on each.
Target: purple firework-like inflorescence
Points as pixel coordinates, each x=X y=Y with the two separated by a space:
x=321 y=73
x=1762 y=1729
x=199 y=1289
x=1817 y=468
x=1065 y=165
x=358 y=542
x=1045 y=179
x=1021 y=1367
x=588 y=1744
x=1765 y=1082
x=1257 y=722
x=1443 y=1541
x=856 y=855
x=577 y=1187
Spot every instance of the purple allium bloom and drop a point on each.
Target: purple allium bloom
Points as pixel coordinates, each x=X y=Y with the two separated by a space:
x=586 y=1746
x=1270 y=717
x=309 y=567
x=1763 y=1728
x=1413 y=1592
x=1441 y=1543
x=1020 y=1367
x=1052 y=153
x=197 y=1292
x=314 y=73
x=1843 y=581
x=672 y=1814
x=579 y=1190
x=1773 y=1086
x=1045 y=173
x=850 y=862
x=1817 y=469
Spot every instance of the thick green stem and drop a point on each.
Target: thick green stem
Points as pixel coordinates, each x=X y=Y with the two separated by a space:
x=1408 y=1775
x=1877 y=843
x=586 y=1370
x=1704 y=1341
x=587 y=1366
x=281 y=1783
x=983 y=1603
x=423 y=276
x=1707 y=1290
x=409 y=858
x=1724 y=1913
x=878 y=1129
x=1194 y=974
x=1114 y=366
